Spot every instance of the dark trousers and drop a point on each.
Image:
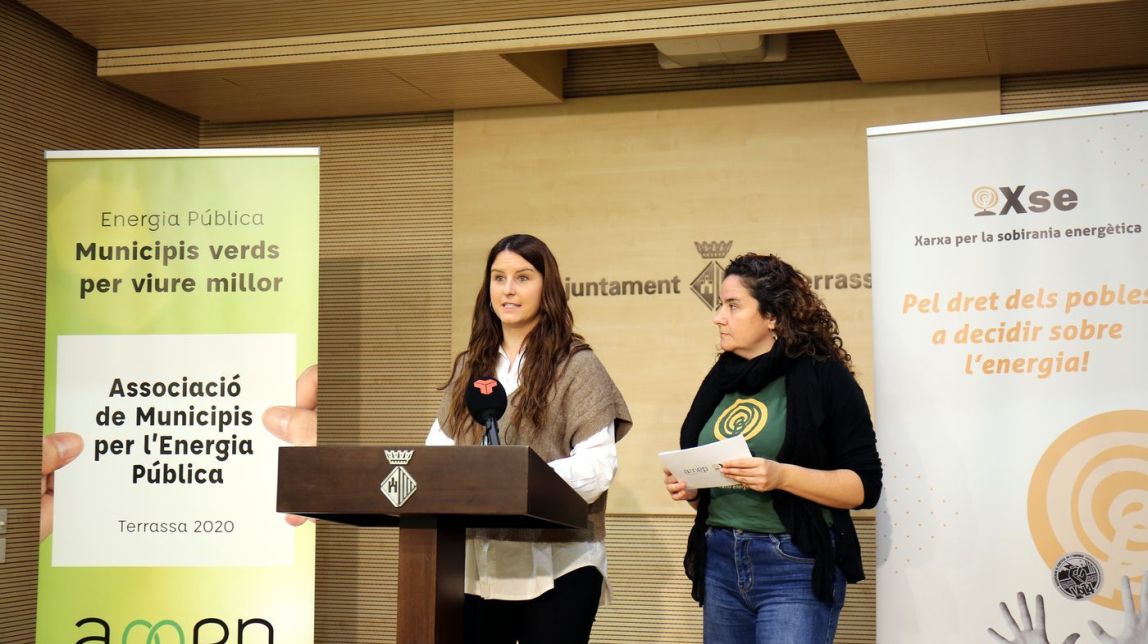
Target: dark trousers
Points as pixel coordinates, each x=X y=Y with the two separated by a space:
x=562 y=615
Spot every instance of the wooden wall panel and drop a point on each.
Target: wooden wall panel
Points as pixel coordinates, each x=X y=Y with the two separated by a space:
x=49 y=99
x=650 y=593
x=1032 y=92
x=384 y=322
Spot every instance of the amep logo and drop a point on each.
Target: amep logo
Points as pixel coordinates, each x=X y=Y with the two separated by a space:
x=147 y=632
x=986 y=198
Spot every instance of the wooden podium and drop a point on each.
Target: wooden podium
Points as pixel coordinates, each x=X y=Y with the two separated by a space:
x=433 y=494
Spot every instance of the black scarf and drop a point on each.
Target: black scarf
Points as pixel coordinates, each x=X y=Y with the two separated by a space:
x=802 y=519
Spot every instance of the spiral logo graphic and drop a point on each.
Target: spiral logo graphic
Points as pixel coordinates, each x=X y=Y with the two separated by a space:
x=984 y=198
x=1089 y=494
x=745 y=416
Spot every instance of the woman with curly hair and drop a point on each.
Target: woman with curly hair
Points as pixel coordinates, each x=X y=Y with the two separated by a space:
x=530 y=585
x=769 y=556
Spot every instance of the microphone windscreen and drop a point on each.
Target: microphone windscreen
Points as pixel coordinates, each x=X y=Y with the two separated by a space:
x=485 y=399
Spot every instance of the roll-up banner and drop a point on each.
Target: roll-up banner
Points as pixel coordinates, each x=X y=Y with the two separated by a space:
x=182 y=301
x=1010 y=320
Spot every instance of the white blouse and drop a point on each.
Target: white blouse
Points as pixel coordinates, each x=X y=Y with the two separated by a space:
x=517 y=570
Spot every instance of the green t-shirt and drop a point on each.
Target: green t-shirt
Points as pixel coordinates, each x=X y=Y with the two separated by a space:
x=761 y=420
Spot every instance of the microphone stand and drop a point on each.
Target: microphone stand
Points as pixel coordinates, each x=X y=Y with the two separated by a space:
x=491 y=437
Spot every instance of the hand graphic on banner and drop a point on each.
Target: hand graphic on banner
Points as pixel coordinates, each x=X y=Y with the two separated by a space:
x=298 y=425
x=1135 y=626
x=58 y=450
x=1027 y=632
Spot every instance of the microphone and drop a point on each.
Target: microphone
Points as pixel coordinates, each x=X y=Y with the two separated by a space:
x=486 y=402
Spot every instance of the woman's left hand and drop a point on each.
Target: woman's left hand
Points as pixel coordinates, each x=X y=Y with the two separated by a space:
x=758 y=474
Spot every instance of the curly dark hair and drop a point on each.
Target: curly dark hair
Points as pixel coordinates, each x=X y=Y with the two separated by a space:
x=784 y=293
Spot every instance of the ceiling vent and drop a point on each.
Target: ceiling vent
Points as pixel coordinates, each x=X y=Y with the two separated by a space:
x=721 y=50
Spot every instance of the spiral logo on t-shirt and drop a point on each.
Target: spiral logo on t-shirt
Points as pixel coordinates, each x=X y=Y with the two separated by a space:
x=1088 y=497
x=745 y=417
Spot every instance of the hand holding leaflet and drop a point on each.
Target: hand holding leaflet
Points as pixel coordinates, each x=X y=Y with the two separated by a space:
x=700 y=467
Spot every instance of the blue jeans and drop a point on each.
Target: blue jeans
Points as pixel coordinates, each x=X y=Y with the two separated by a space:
x=759 y=591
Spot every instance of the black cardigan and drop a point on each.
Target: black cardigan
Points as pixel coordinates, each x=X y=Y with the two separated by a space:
x=844 y=432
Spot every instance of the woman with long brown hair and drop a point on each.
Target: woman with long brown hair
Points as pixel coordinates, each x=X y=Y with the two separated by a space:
x=770 y=556
x=535 y=585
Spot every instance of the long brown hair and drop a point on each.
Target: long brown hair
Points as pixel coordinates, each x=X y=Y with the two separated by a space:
x=545 y=349
x=784 y=293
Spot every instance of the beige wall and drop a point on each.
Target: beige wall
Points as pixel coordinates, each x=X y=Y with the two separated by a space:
x=621 y=188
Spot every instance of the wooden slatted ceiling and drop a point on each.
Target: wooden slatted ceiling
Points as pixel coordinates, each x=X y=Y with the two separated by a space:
x=363 y=87
x=464 y=66
x=50 y=100
x=121 y=24
x=1043 y=40
x=548 y=34
x=113 y=24
x=812 y=57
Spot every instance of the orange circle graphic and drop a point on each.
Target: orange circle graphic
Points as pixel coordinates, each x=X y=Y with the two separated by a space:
x=1089 y=493
x=985 y=197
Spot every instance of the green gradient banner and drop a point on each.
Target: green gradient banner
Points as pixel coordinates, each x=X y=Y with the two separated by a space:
x=182 y=301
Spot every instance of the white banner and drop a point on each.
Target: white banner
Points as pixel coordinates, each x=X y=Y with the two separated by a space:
x=1010 y=315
